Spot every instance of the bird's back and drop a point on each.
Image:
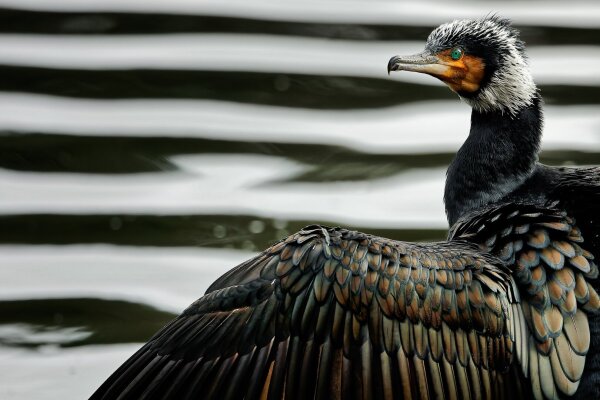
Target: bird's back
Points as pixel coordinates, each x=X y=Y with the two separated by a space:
x=578 y=191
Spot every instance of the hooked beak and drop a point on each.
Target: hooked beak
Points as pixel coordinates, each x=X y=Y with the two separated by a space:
x=424 y=62
x=462 y=76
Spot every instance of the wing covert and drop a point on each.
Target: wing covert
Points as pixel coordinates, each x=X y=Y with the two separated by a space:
x=553 y=273
x=330 y=313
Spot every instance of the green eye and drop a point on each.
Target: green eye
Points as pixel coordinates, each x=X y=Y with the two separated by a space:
x=456 y=54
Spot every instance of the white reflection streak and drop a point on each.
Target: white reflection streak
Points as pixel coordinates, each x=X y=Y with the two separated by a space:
x=53 y=373
x=413 y=128
x=233 y=184
x=264 y=53
x=26 y=334
x=166 y=278
x=584 y=13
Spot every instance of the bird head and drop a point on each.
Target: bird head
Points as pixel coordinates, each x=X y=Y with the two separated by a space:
x=482 y=60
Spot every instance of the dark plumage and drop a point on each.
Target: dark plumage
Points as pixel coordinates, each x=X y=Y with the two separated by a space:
x=505 y=308
x=498 y=161
x=330 y=313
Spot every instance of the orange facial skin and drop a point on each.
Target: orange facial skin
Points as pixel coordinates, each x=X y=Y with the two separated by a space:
x=462 y=75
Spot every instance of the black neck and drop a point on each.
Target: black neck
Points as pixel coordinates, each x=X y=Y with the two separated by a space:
x=499 y=154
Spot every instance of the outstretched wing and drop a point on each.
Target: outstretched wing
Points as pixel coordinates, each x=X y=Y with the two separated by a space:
x=553 y=273
x=329 y=313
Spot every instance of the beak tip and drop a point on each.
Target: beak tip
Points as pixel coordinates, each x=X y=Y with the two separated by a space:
x=392 y=64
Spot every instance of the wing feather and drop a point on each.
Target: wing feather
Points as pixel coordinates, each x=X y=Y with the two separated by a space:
x=330 y=313
x=551 y=272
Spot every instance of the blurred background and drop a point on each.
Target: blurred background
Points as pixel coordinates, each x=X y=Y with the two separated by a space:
x=146 y=147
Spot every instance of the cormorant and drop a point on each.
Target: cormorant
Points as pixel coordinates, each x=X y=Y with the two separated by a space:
x=484 y=62
x=506 y=307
